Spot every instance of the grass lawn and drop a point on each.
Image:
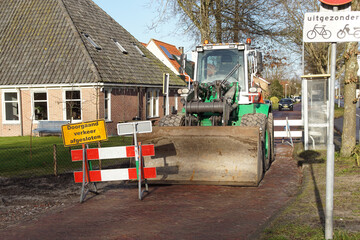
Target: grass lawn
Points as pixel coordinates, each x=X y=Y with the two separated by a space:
x=25 y=156
x=339 y=111
x=304 y=218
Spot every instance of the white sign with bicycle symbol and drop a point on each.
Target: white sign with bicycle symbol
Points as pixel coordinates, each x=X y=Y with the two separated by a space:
x=332 y=27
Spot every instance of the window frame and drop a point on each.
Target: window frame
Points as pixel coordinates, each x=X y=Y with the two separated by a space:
x=107 y=98
x=4 y=121
x=150 y=102
x=33 y=101
x=65 y=105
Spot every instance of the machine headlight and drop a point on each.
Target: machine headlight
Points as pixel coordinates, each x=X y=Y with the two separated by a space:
x=253 y=90
x=241 y=47
x=199 y=49
x=183 y=91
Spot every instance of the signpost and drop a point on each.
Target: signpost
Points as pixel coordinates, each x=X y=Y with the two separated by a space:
x=335 y=2
x=166 y=80
x=134 y=128
x=81 y=134
x=331 y=27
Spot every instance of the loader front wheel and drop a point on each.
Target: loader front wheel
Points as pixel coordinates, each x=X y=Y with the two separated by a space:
x=175 y=120
x=259 y=120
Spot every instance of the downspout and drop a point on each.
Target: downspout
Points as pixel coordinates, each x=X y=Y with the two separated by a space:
x=140 y=102
x=20 y=113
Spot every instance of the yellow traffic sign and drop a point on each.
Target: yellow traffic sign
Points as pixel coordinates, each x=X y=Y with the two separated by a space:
x=83 y=133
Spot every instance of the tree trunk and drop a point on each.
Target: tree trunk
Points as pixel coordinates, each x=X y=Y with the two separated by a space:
x=348 y=141
x=236 y=22
x=218 y=20
x=205 y=21
x=348 y=138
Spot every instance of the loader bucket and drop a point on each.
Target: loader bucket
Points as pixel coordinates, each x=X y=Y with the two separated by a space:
x=226 y=155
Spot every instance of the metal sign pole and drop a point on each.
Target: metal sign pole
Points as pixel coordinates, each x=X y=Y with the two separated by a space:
x=134 y=128
x=330 y=149
x=166 y=92
x=137 y=161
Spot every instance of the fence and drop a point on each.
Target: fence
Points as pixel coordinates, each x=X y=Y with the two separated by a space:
x=50 y=159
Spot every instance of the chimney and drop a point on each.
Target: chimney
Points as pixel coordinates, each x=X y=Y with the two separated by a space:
x=181 y=49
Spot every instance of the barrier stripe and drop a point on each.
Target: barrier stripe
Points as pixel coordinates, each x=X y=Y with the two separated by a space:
x=284 y=134
x=115 y=174
x=112 y=152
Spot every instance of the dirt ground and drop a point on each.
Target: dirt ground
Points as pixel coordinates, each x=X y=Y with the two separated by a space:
x=26 y=199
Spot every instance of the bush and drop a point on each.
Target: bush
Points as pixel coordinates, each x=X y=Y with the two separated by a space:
x=275 y=102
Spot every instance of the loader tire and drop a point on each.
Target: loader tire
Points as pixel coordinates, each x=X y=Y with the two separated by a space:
x=175 y=120
x=260 y=120
x=255 y=119
x=272 y=139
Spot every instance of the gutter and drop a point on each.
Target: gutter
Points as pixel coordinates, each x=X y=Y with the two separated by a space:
x=31 y=86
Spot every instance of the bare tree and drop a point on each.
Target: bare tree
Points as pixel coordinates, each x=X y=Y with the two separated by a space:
x=348 y=141
x=221 y=20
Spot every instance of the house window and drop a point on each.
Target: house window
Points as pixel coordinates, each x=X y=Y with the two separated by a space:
x=152 y=100
x=40 y=106
x=107 y=95
x=73 y=105
x=11 y=106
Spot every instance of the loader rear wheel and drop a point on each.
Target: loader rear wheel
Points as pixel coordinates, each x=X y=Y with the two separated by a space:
x=260 y=120
x=175 y=120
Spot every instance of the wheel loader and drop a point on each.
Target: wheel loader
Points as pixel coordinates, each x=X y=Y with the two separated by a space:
x=224 y=133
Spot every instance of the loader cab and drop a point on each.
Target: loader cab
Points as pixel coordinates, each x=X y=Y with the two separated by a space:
x=235 y=61
x=219 y=63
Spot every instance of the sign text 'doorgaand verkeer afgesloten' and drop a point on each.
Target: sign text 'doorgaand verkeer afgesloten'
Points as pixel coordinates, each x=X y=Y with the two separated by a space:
x=84 y=132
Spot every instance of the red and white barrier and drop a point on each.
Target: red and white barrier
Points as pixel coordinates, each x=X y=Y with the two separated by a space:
x=113 y=174
x=111 y=152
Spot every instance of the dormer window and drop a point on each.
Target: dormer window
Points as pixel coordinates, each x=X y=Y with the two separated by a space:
x=139 y=50
x=122 y=49
x=91 y=41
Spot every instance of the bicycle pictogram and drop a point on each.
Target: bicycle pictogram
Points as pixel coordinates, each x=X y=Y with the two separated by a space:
x=346 y=31
x=319 y=30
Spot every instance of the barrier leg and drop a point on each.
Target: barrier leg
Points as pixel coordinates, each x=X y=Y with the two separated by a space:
x=86 y=177
x=83 y=194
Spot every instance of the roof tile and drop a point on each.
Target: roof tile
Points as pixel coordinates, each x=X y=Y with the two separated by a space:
x=41 y=42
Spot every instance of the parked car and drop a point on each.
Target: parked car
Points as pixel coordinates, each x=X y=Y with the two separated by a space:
x=286 y=103
x=268 y=102
x=298 y=99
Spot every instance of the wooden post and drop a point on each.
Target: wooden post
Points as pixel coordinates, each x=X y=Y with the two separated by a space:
x=55 y=160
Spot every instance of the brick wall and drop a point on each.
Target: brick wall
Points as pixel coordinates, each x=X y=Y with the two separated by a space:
x=126 y=103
